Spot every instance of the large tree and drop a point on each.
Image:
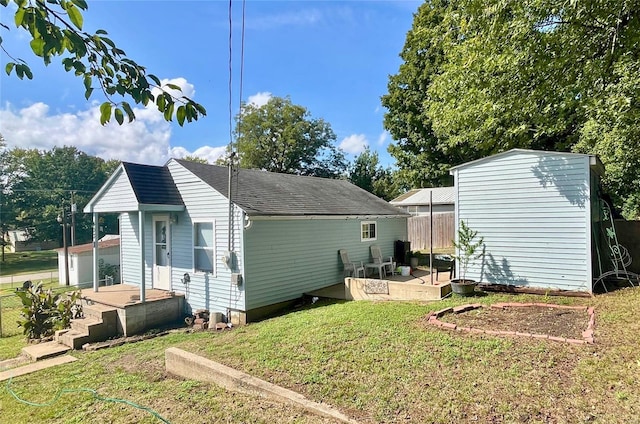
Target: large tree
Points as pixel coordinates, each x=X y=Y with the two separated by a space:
x=367 y=173
x=282 y=137
x=45 y=186
x=541 y=74
x=54 y=28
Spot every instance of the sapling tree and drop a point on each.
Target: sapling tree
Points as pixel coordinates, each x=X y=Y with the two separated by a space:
x=468 y=248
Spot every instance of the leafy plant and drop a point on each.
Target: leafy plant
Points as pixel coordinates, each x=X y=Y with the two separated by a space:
x=44 y=312
x=468 y=248
x=105 y=269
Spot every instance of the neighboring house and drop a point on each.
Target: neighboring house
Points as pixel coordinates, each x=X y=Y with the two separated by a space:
x=81 y=260
x=539 y=214
x=432 y=211
x=19 y=242
x=282 y=240
x=416 y=201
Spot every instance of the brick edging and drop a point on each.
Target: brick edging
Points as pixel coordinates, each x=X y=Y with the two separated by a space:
x=587 y=335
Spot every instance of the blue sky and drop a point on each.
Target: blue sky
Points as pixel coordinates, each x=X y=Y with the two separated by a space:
x=332 y=57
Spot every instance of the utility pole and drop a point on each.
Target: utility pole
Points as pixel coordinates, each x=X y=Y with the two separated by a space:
x=73 y=220
x=63 y=220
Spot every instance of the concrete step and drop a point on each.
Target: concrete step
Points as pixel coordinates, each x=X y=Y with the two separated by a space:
x=39 y=351
x=106 y=313
x=86 y=325
x=74 y=339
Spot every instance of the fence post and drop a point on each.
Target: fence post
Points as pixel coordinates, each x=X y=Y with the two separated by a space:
x=0 y=316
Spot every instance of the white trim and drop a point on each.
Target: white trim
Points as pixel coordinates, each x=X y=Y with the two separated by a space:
x=369 y=223
x=319 y=217
x=213 y=246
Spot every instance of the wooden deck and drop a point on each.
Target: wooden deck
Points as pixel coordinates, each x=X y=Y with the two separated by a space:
x=417 y=286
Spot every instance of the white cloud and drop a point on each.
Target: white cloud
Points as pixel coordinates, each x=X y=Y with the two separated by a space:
x=354 y=144
x=145 y=140
x=210 y=154
x=382 y=138
x=259 y=99
x=303 y=18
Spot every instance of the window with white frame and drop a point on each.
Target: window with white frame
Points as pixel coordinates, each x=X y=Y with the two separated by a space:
x=203 y=247
x=368 y=231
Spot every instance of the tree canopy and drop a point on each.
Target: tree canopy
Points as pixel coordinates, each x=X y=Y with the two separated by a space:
x=39 y=185
x=55 y=29
x=282 y=137
x=367 y=173
x=482 y=77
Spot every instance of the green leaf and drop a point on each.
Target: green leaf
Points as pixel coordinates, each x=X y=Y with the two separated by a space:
x=173 y=87
x=105 y=112
x=119 y=116
x=180 y=115
x=168 y=112
x=9 y=67
x=37 y=45
x=81 y=4
x=75 y=15
x=87 y=82
x=19 y=16
x=155 y=79
x=88 y=93
x=128 y=111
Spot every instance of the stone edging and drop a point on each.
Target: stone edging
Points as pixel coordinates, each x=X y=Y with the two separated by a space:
x=587 y=335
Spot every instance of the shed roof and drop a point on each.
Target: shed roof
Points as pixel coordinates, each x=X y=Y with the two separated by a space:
x=420 y=196
x=594 y=161
x=261 y=193
x=88 y=247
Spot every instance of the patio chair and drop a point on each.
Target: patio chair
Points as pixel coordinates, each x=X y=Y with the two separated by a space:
x=379 y=263
x=350 y=268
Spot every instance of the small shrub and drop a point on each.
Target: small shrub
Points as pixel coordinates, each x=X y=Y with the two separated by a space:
x=44 y=312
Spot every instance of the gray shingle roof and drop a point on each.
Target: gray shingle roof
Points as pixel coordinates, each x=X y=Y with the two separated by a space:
x=152 y=185
x=268 y=193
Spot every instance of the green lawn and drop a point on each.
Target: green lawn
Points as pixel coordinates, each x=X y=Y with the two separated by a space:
x=27 y=262
x=375 y=361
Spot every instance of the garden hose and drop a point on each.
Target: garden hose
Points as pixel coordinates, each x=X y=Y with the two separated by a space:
x=84 y=390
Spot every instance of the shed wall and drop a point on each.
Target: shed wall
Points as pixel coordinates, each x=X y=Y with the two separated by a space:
x=533 y=210
x=286 y=258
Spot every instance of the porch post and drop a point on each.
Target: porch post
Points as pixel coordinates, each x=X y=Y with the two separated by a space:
x=96 y=232
x=142 y=258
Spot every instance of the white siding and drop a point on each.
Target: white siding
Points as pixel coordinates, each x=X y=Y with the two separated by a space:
x=119 y=197
x=286 y=258
x=533 y=210
x=210 y=291
x=130 y=249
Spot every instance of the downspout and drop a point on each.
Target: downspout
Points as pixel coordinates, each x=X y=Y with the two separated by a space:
x=142 y=257
x=96 y=232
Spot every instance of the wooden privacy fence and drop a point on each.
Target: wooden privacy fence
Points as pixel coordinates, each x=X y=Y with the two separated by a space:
x=443 y=230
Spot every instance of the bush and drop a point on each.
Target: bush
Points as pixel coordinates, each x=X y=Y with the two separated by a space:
x=44 y=312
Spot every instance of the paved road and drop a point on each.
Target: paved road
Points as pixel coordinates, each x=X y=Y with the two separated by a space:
x=36 y=276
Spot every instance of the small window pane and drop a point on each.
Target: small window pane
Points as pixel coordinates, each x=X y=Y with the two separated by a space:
x=372 y=230
x=204 y=234
x=203 y=260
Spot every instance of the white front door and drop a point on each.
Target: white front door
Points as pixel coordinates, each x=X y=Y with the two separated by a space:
x=161 y=253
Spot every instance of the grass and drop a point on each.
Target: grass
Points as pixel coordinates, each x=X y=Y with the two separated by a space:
x=27 y=262
x=375 y=361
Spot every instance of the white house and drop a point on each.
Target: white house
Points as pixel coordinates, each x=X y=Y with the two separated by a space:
x=273 y=239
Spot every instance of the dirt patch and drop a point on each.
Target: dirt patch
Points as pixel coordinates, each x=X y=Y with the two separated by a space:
x=557 y=322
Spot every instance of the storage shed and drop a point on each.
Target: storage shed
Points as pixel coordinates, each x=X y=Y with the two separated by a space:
x=538 y=212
